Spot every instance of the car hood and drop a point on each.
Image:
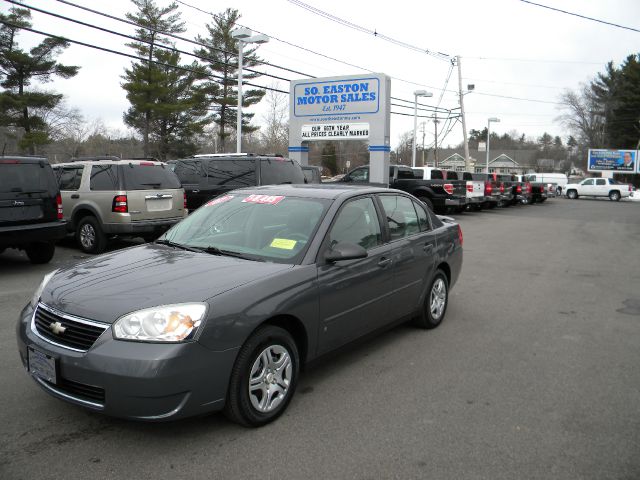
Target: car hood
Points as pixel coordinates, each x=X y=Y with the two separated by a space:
x=109 y=286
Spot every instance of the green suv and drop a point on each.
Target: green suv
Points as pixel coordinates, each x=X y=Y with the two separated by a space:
x=107 y=196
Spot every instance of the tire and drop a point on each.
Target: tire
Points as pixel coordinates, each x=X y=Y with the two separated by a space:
x=542 y=200
x=40 y=252
x=460 y=209
x=427 y=202
x=435 y=302
x=614 y=196
x=572 y=194
x=89 y=235
x=257 y=355
x=492 y=205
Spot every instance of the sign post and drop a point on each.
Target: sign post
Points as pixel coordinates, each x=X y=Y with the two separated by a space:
x=354 y=107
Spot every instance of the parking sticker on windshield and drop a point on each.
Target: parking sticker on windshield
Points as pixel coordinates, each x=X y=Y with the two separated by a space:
x=264 y=199
x=283 y=243
x=217 y=201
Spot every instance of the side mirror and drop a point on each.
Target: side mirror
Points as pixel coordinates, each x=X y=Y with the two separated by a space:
x=345 y=251
x=346 y=179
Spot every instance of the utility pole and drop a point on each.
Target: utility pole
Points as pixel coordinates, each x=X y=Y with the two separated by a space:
x=424 y=128
x=435 y=151
x=464 y=123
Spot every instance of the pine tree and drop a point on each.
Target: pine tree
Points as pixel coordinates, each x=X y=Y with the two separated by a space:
x=166 y=106
x=222 y=94
x=19 y=69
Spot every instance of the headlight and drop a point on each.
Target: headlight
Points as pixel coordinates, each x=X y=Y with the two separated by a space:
x=36 y=295
x=166 y=323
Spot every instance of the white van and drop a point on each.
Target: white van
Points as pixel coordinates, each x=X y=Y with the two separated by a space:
x=560 y=179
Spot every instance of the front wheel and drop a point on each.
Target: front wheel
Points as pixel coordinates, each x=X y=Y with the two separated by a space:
x=435 y=302
x=572 y=194
x=264 y=377
x=614 y=196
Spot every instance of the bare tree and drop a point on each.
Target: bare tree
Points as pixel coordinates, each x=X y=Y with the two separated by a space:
x=275 y=132
x=583 y=117
x=61 y=121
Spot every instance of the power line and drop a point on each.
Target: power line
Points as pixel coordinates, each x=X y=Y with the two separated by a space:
x=533 y=60
x=131 y=37
x=375 y=33
x=446 y=82
x=581 y=16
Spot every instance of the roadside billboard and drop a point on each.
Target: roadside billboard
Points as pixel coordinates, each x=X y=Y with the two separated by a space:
x=619 y=161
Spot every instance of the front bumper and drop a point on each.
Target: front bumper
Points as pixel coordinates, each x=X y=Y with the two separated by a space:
x=142 y=381
x=141 y=226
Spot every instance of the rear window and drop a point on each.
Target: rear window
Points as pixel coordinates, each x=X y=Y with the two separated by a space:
x=241 y=173
x=277 y=171
x=407 y=173
x=147 y=177
x=25 y=177
x=69 y=177
x=452 y=175
x=479 y=176
x=437 y=175
x=467 y=176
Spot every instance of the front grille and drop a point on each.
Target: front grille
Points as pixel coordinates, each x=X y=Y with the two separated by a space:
x=78 y=334
x=79 y=390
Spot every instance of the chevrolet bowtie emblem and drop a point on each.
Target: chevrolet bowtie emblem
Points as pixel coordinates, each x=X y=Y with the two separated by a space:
x=57 y=328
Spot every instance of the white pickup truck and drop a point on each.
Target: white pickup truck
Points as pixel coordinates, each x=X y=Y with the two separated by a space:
x=598 y=187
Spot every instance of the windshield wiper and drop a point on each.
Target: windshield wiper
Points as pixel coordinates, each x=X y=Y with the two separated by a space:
x=228 y=253
x=178 y=245
x=155 y=185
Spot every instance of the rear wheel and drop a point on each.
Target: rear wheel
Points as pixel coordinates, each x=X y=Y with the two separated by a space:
x=435 y=302
x=614 y=196
x=89 y=235
x=427 y=202
x=264 y=377
x=572 y=194
x=40 y=252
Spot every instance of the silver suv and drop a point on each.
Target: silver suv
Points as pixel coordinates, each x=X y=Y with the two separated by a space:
x=107 y=196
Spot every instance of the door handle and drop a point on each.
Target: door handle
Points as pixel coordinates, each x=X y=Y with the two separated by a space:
x=427 y=247
x=75 y=195
x=195 y=191
x=384 y=262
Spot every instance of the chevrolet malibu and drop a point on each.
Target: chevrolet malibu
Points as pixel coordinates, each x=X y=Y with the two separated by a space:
x=221 y=312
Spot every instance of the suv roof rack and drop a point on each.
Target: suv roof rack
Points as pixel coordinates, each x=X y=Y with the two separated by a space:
x=202 y=155
x=95 y=157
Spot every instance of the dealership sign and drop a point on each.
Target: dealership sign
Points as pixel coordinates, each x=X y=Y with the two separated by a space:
x=337 y=97
x=336 y=131
x=621 y=161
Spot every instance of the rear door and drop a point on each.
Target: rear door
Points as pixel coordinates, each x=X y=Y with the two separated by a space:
x=27 y=192
x=413 y=245
x=69 y=179
x=601 y=188
x=153 y=191
x=193 y=180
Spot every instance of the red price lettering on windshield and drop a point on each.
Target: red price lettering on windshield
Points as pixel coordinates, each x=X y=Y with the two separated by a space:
x=264 y=199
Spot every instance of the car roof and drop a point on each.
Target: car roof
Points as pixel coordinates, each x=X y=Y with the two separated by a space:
x=316 y=190
x=23 y=159
x=110 y=162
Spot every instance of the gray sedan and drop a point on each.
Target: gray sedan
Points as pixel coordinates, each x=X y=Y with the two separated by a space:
x=223 y=310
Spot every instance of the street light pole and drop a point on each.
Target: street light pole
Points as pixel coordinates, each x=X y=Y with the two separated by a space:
x=416 y=94
x=464 y=122
x=244 y=36
x=492 y=119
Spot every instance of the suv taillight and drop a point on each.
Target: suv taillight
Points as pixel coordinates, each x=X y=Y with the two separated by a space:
x=630 y=188
x=488 y=189
x=184 y=202
x=460 y=235
x=448 y=187
x=470 y=187
x=529 y=188
x=120 y=204
x=59 y=204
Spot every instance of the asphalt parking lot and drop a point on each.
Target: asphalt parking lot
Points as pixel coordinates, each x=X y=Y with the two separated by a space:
x=533 y=374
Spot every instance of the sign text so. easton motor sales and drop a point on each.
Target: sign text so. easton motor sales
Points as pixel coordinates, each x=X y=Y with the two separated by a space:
x=337 y=97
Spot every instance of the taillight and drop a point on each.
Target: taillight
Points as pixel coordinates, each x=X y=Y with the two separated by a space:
x=448 y=187
x=120 y=204
x=630 y=188
x=488 y=189
x=184 y=203
x=519 y=189
x=529 y=188
x=460 y=235
x=502 y=188
x=470 y=187
x=59 y=202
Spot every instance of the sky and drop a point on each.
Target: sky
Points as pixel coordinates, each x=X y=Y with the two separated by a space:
x=508 y=48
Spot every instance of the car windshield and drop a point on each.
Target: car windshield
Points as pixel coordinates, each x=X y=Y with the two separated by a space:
x=271 y=228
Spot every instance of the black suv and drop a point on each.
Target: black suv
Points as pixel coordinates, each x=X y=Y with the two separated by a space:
x=206 y=176
x=30 y=207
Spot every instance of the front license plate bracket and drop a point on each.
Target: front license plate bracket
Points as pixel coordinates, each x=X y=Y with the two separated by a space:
x=42 y=365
